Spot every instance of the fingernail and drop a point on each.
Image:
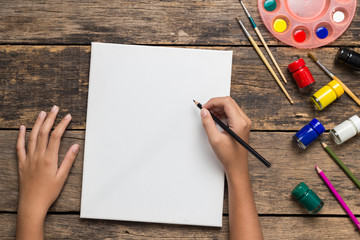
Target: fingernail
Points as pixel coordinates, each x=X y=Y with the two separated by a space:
x=68 y=116
x=22 y=127
x=75 y=148
x=41 y=114
x=204 y=112
x=54 y=108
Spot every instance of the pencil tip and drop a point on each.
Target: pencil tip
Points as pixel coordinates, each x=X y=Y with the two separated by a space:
x=323 y=144
x=318 y=169
x=196 y=102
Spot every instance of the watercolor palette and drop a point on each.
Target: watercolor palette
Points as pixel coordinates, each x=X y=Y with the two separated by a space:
x=307 y=23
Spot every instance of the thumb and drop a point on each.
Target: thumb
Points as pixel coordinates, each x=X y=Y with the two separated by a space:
x=209 y=124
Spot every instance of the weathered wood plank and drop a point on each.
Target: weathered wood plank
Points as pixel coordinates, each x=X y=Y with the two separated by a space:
x=272 y=187
x=277 y=228
x=141 y=22
x=33 y=78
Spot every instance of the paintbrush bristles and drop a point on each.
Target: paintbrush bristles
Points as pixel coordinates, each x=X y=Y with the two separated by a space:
x=312 y=57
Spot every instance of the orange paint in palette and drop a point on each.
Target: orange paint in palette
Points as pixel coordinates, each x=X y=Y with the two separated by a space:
x=307 y=23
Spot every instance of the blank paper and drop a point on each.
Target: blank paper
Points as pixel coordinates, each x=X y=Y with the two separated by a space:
x=147 y=157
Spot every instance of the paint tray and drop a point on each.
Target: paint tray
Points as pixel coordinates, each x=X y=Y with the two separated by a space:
x=307 y=23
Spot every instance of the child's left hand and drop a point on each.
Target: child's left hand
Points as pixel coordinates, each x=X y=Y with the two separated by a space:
x=40 y=178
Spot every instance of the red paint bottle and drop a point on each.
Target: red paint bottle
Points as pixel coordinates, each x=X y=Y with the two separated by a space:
x=302 y=75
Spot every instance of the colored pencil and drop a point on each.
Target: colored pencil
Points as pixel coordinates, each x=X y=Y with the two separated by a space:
x=341 y=164
x=265 y=61
x=338 y=197
x=332 y=76
x=236 y=137
x=262 y=40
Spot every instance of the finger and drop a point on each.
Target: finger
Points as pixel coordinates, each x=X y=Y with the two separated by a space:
x=228 y=106
x=20 y=146
x=67 y=163
x=35 y=132
x=45 y=129
x=56 y=135
x=209 y=126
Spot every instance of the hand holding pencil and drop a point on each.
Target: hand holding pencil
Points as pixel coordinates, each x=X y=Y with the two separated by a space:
x=230 y=152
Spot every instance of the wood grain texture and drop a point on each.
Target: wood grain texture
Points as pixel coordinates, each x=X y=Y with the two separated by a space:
x=272 y=187
x=33 y=78
x=137 y=22
x=274 y=228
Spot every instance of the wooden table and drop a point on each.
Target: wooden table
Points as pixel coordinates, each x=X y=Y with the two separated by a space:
x=44 y=60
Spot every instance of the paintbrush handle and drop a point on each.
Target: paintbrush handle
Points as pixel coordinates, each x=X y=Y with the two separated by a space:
x=269 y=52
x=347 y=90
x=270 y=68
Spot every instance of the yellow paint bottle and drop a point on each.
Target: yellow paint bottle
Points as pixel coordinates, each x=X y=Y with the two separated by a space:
x=326 y=95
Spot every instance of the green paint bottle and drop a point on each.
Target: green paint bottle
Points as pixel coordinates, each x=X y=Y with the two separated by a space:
x=307 y=198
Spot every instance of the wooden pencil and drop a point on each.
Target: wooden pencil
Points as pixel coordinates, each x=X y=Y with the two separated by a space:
x=338 y=197
x=330 y=74
x=341 y=164
x=236 y=137
x=261 y=55
x=263 y=41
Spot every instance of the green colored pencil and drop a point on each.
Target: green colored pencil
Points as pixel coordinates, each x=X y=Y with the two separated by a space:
x=341 y=164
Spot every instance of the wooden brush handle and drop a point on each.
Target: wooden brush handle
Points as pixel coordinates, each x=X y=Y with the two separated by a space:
x=347 y=90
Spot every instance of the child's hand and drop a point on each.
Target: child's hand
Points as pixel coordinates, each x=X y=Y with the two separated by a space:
x=232 y=155
x=40 y=178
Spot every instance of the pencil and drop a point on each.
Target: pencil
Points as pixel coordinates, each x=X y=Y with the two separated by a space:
x=330 y=74
x=341 y=164
x=338 y=197
x=236 y=137
x=262 y=40
x=265 y=61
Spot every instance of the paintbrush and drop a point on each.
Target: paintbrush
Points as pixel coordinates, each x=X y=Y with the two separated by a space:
x=261 y=55
x=263 y=41
x=330 y=74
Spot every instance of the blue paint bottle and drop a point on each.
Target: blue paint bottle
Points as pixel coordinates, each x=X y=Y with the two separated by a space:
x=309 y=133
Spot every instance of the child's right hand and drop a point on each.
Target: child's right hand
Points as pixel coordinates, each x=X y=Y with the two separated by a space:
x=232 y=155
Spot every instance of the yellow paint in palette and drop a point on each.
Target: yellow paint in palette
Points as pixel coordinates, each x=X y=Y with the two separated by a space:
x=327 y=95
x=280 y=25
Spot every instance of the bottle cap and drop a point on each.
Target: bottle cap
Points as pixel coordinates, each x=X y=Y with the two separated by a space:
x=296 y=65
x=356 y=121
x=342 y=55
x=337 y=87
x=319 y=128
x=300 y=190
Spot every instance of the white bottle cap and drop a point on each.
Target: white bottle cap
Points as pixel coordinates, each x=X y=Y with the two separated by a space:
x=356 y=121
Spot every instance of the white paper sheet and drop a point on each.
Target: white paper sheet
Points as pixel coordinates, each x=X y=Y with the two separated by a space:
x=147 y=157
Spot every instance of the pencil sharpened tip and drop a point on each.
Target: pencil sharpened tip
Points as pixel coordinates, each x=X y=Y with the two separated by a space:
x=323 y=144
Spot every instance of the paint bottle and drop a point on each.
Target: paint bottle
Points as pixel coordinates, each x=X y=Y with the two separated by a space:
x=327 y=95
x=309 y=133
x=307 y=198
x=346 y=130
x=302 y=75
x=348 y=57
